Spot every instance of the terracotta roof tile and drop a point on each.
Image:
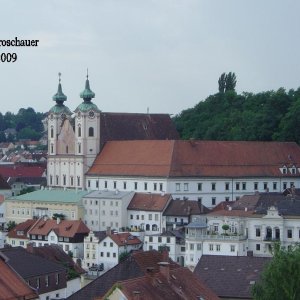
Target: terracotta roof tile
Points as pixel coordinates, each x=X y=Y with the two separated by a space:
x=21 y=230
x=21 y=171
x=196 y=158
x=65 y=228
x=12 y=286
x=122 y=239
x=149 y=202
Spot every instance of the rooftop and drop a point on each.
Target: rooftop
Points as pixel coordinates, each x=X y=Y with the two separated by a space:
x=185 y=208
x=107 y=194
x=178 y=158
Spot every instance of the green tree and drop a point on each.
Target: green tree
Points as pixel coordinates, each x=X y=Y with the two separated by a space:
x=230 y=82
x=27 y=190
x=281 y=277
x=222 y=83
x=10 y=225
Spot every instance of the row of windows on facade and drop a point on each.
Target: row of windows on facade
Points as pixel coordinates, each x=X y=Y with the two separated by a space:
x=37 y=282
x=64 y=180
x=93 y=256
x=103 y=212
x=90 y=131
x=275 y=234
x=156 y=186
x=36 y=213
x=66 y=149
x=104 y=225
x=238 y=186
x=52 y=238
x=137 y=217
x=211 y=247
x=160 y=239
x=103 y=202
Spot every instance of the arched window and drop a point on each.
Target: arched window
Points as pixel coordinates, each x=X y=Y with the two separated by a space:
x=79 y=148
x=91 y=131
x=51 y=179
x=147 y=227
x=52 y=149
x=52 y=132
x=79 y=130
x=64 y=179
x=57 y=179
x=154 y=227
x=67 y=149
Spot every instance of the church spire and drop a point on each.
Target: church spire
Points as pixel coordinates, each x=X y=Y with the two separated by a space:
x=59 y=97
x=87 y=94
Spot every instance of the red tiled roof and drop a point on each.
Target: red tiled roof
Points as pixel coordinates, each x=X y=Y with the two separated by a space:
x=3 y=184
x=66 y=228
x=149 y=202
x=176 y=158
x=21 y=171
x=125 y=238
x=182 y=284
x=12 y=286
x=22 y=227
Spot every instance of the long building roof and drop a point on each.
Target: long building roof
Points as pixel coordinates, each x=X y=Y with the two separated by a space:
x=177 y=158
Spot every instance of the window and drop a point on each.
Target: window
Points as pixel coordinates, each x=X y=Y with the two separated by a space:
x=218 y=247
x=211 y=247
x=105 y=184
x=156 y=217
x=52 y=132
x=177 y=187
x=213 y=186
x=226 y=199
x=89 y=183
x=57 y=179
x=56 y=278
x=78 y=180
x=265 y=185
x=114 y=254
x=108 y=254
x=227 y=186
x=135 y=185
x=237 y=186
x=255 y=185
x=199 y=186
x=232 y=248
x=52 y=149
x=91 y=131
x=150 y=239
x=199 y=247
x=290 y=233
x=47 y=280
x=284 y=170
x=72 y=180
x=213 y=201
x=101 y=254
x=154 y=186
x=257 y=232
x=274 y=186
x=79 y=131
x=131 y=217
x=257 y=247
x=137 y=217
x=161 y=186
x=145 y=186
x=115 y=184
x=150 y=217
x=292 y=184
x=244 y=186
x=285 y=185
x=104 y=244
x=124 y=185
x=79 y=148
x=111 y=244
x=159 y=239
x=168 y=239
x=191 y=246
x=97 y=184
x=38 y=283
x=185 y=186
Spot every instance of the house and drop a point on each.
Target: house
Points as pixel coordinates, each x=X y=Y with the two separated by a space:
x=145 y=212
x=167 y=284
x=56 y=254
x=173 y=240
x=45 y=202
x=18 y=236
x=114 y=245
x=46 y=277
x=5 y=147
x=206 y=171
x=13 y=286
x=181 y=213
x=18 y=184
x=75 y=141
x=137 y=264
x=69 y=234
x=231 y=277
x=106 y=209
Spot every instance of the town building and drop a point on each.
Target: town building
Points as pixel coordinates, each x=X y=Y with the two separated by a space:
x=106 y=209
x=231 y=277
x=46 y=202
x=46 y=277
x=206 y=171
x=74 y=142
x=145 y=212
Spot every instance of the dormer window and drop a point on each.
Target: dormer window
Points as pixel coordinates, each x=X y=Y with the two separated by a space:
x=283 y=170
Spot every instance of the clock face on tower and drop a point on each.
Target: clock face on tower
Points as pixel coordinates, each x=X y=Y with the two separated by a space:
x=91 y=114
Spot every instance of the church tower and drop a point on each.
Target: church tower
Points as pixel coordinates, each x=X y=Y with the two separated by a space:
x=87 y=127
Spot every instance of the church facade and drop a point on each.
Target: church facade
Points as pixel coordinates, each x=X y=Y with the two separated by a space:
x=75 y=139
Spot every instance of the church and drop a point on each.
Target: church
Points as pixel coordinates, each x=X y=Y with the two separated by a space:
x=75 y=139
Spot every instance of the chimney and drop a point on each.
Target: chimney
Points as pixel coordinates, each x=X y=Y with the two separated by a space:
x=29 y=247
x=164 y=269
x=57 y=220
x=108 y=231
x=165 y=254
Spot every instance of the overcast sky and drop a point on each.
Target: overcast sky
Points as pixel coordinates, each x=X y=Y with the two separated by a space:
x=163 y=54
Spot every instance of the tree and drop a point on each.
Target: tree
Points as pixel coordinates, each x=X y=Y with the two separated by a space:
x=281 y=277
x=222 y=83
x=11 y=225
x=230 y=82
x=27 y=190
x=225 y=227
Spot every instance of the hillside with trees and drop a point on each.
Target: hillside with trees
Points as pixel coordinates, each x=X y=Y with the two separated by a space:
x=226 y=115
x=27 y=123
